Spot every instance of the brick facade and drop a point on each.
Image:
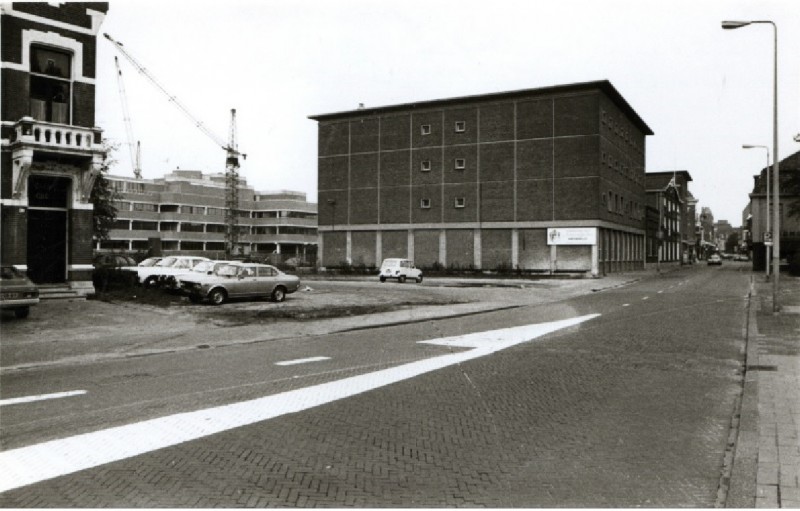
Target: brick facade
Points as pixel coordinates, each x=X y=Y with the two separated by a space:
x=49 y=136
x=482 y=168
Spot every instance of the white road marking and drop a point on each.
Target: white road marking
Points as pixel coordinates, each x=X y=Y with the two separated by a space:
x=35 y=463
x=41 y=397
x=661 y=291
x=301 y=361
x=626 y=305
x=646 y=298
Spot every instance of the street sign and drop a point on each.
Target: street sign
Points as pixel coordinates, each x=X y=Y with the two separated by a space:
x=768 y=236
x=768 y=243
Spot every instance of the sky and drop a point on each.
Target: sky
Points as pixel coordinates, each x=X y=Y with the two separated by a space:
x=704 y=91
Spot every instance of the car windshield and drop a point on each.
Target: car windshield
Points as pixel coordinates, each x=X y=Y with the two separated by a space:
x=9 y=272
x=169 y=261
x=203 y=267
x=228 y=271
x=150 y=261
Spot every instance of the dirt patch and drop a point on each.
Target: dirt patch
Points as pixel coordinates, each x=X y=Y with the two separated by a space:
x=323 y=301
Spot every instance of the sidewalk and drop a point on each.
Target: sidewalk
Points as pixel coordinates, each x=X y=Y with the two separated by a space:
x=766 y=466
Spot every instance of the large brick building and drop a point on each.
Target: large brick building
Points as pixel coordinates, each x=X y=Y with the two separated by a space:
x=51 y=149
x=548 y=179
x=184 y=213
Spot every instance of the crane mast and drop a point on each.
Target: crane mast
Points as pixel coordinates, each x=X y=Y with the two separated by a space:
x=231 y=152
x=126 y=117
x=232 y=191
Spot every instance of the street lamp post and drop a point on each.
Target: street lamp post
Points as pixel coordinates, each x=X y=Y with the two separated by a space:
x=767 y=242
x=776 y=224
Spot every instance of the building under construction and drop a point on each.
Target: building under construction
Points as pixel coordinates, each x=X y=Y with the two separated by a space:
x=185 y=212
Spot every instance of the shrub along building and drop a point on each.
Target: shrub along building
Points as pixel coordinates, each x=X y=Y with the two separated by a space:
x=546 y=180
x=51 y=149
x=184 y=213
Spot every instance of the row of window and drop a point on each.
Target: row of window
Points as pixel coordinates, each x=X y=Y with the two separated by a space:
x=427 y=129
x=617 y=204
x=458 y=164
x=613 y=163
x=459 y=202
x=620 y=130
x=140 y=225
x=207 y=210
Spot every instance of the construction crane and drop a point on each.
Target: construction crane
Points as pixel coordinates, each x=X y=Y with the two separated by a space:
x=126 y=117
x=230 y=147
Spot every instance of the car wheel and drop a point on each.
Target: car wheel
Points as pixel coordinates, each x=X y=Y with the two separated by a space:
x=217 y=296
x=151 y=281
x=278 y=294
x=22 y=313
x=401 y=279
x=419 y=279
x=382 y=278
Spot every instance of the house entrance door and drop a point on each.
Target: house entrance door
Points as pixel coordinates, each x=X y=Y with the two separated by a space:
x=47 y=228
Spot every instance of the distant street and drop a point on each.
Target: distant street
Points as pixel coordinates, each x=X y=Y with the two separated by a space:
x=626 y=403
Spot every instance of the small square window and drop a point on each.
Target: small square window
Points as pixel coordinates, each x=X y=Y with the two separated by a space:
x=425 y=166
x=461 y=163
x=460 y=202
x=425 y=203
x=425 y=129
x=461 y=126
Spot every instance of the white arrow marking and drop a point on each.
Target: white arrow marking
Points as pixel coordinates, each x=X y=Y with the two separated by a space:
x=35 y=463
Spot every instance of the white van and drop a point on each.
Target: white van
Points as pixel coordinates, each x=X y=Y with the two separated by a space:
x=400 y=269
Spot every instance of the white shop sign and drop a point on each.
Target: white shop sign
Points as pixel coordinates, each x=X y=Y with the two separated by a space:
x=572 y=236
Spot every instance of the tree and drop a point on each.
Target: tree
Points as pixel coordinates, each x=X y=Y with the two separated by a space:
x=103 y=196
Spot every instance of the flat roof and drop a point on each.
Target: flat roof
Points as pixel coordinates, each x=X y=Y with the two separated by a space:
x=602 y=85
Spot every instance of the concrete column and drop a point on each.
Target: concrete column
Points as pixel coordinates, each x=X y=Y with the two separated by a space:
x=410 y=249
x=553 y=258
x=443 y=248
x=378 y=247
x=596 y=255
x=349 y=249
x=320 y=250
x=477 y=256
x=514 y=248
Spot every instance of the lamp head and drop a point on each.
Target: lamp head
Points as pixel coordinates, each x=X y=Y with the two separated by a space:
x=730 y=25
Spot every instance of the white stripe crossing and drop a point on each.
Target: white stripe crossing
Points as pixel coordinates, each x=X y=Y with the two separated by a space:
x=301 y=361
x=35 y=463
x=42 y=397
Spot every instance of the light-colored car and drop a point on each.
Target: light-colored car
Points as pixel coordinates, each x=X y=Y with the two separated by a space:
x=400 y=269
x=241 y=280
x=715 y=259
x=17 y=292
x=153 y=276
x=201 y=268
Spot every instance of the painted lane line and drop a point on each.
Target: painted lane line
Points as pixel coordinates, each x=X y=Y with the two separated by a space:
x=646 y=298
x=35 y=463
x=301 y=361
x=42 y=397
x=626 y=305
x=661 y=291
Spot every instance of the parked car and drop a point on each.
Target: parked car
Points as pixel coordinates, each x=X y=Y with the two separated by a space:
x=153 y=276
x=201 y=268
x=17 y=292
x=400 y=269
x=150 y=261
x=741 y=257
x=241 y=280
x=715 y=259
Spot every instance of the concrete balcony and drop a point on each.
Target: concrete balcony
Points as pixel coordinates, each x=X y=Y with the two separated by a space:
x=61 y=138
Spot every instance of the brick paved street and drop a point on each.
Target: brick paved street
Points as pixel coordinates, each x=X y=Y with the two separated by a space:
x=633 y=409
